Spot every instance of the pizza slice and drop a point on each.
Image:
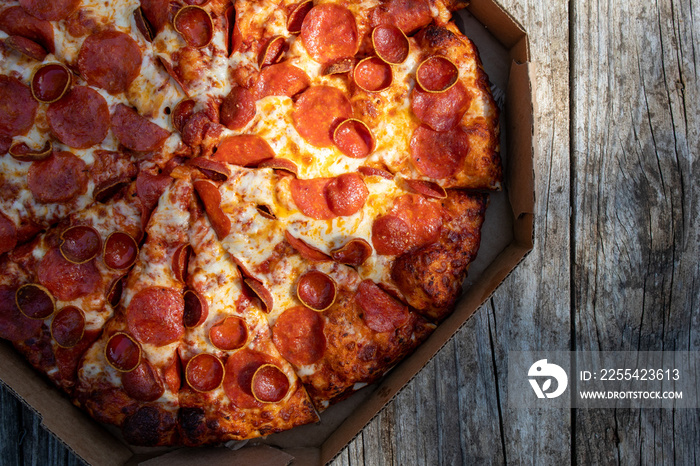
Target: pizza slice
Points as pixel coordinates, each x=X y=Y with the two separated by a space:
x=131 y=376
x=237 y=386
x=59 y=290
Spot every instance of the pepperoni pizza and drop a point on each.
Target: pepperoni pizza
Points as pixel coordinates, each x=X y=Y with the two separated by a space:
x=219 y=217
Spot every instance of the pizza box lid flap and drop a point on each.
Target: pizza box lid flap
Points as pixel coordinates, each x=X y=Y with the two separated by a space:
x=258 y=455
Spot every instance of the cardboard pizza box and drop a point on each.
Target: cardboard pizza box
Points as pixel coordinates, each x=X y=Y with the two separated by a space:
x=506 y=239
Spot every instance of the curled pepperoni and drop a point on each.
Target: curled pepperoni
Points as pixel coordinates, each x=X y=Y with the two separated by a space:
x=318 y=111
x=8 y=234
x=17 y=107
x=194 y=25
x=244 y=149
x=390 y=44
x=204 y=372
x=297 y=14
x=211 y=197
x=407 y=15
x=65 y=280
x=122 y=352
x=240 y=368
x=35 y=301
x=306 y=251
x=354 y=138
x=156 y=13
x=354 y=253
x=80 y=119
x=382 y=313
x=279 y=163
x=155 y=315
x=182 y=113
x=269 y=384
x=81 y=243
x=427 y=188
x=262 y=293
x=346 y=194
x=26 y=47
x=50 y=82
x=441 y=111
x=114 y=295
x=120 y=251
x=229 y=334
x=310 y=197
x=437 y=74
x=149 y=188
x=16 y=22
x=136 y=132
x=329 y=33
x=181 y=260
x=110 y=60
x=196 y=309
x=238 y=108
x=68 y=326
x=281 y=79
x=54 y=10
x=14 y=325
x=58 y=178
x=373 y=171
x=316 y=290
x=298 y=335
x=373 y=74
x=438 y=154
x=272 y=51
x=143 y=383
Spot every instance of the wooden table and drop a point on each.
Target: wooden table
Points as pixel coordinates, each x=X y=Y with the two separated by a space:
x=615 y=264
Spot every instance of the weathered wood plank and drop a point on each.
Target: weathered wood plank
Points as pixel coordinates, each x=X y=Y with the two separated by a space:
x=637 y=208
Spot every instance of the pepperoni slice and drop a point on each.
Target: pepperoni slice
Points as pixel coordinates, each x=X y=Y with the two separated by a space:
x=238 y=108
x=437 y=74
x=329 y=33
x=281 y=79
x=35 y=301
x=194 y=25
x=310 y=197
x=14 y=325
x=81 y=243
x=373 y=171
x=8 y=234
x=422 y=216
x=211 y=197
x=156 y=13
x=181 y=260
x=196 y=309
x=182 y=112
x=143 y=383
x=229 y=334
x=316 y=290
x=122 y=352
x=65 y=280
x=390 y=235
x=58 y=178
x=50 y=82
x=407 y=15
x=298 y=335
x=306 y=251
x=68 y=326
x=442 y=111
x=240 y=368
x=354 y=138
x=346 y=194
x=279 y=163
x=17 y=107
x=427 y=188
x=114 y=295
x=297 y=14
x=54 y=10
x=262 y=293
x=272 y=52
x=438 y=154
x=382 y=313
x=372 y=74
x=110 y=60
x=390 y=44
x=26 y=47
x=354 y=253
x=269 y=384
x=121 y=251
x=80 y=119
x=245 y=149
x=204 y=372
x=155 y=315
x=318 y=111
x=16 y=22
x=149 y=188
x=136 y=132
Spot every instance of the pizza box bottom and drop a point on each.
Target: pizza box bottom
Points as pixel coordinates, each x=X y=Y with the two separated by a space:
x=506 y=239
